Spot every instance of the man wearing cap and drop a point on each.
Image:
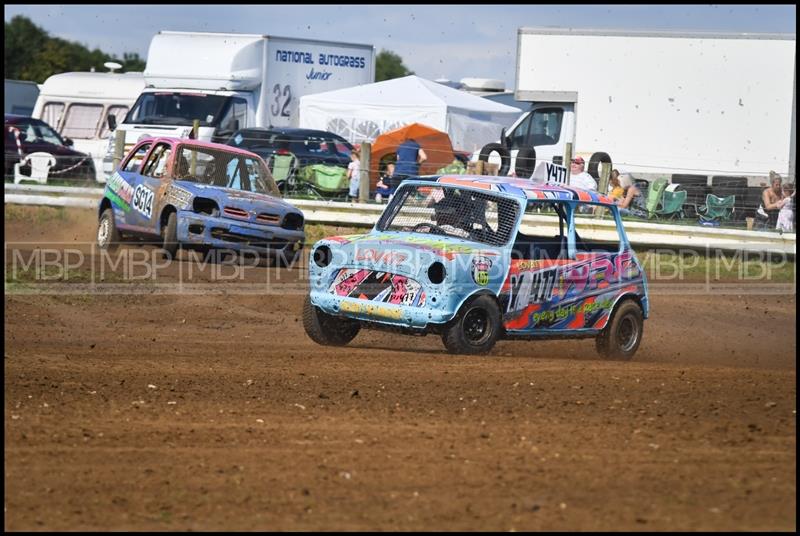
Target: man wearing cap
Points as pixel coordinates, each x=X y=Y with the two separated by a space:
x=580 y=178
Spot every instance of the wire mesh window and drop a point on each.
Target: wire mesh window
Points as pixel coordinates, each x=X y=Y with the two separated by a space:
x=226 y=170
x=82 y=120
x=451 y=211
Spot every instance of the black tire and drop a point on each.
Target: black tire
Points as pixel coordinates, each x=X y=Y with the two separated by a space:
x=107 y=233
x=326 y=329
x=622 y=335
x=594 y=164
x=475 y=328
x=170 y=235
x=505 y=156
x=289 y=257
x=525 y=163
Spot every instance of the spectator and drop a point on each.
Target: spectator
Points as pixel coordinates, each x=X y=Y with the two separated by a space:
x=632 y=199
x=354 y=172
x=785 y=221
x=579 y=177
x=382 y=188
x=771 y=197
x=409 y=156
x=615 y=189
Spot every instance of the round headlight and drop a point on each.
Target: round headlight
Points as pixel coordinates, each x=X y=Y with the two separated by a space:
x=322 y=256
x=436 y=272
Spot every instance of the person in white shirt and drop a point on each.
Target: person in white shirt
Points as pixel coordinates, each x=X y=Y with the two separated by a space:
x=580 y=178
x=785 y=216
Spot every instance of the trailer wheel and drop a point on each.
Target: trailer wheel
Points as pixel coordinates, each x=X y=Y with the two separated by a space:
x=526 y=162
x=505 y=156
x=594 y=164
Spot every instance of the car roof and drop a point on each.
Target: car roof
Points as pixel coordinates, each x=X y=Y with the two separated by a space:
x=527 y=189
x=202 y=144
x=14 y=119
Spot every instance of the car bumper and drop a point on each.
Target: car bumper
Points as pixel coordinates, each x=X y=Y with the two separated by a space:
x=214 y=232
x=379 y=312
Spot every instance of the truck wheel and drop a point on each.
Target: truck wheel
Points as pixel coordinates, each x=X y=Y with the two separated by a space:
x=170 y=236
x=475 y=328
x=326 y=329
x=505 y=156
x=107 y=233
x=525 y=163
x=622 y=335
x=594 y=164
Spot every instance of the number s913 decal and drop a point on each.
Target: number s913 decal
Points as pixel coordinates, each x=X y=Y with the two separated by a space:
x=143 y=200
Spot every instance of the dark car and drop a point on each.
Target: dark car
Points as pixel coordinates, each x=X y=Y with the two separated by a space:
x=309 y=146
x=37 y=136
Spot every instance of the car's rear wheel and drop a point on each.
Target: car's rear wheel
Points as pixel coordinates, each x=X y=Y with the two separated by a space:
x=326 y=329
x=475 y=328
x=107 y=233
x=623 y=334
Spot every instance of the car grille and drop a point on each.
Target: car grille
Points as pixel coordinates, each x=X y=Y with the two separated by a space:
x=235 y=212
x=269 y=219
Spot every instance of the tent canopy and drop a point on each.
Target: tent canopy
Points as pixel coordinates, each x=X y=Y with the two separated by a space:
x=435 y=143
x=362 y=113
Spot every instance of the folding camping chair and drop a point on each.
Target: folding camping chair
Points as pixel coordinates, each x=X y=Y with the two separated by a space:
x=654 y=195
x=717 y=208
x=672 y=202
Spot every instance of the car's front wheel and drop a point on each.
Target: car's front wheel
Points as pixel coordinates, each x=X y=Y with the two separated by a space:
x=475 y=328
x=326 y=329
x=622 y=335
x=170 y=236
x=107 y=233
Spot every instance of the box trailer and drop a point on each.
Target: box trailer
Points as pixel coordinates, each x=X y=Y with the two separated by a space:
x=656 y=103
x=230 y=81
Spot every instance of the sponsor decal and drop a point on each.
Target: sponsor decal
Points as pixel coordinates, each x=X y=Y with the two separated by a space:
x=143 y=200
x=371 y=309
x=119 y=191
x=480 y=270
x=385 y=257
x=564 y=312
x=178 y=196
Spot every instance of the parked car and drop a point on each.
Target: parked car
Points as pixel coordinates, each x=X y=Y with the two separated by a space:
x=199 y=195
x=300 y=148
x=448 y=256
x=37 y=136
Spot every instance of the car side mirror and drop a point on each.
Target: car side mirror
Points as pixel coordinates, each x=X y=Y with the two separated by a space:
x=68 y=142
x=503 y=140
x=235 y=125
x=112 y=122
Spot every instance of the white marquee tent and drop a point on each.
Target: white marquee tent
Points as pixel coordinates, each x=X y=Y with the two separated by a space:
x=363 y=112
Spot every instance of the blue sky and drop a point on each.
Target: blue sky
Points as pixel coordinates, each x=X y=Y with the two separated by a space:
x=451 y=41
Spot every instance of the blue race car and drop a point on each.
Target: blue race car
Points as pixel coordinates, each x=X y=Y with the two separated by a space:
x=449 y=256
x=199 y=195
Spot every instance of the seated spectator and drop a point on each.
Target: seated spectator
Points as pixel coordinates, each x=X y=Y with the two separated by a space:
x=579 y=177
x=615 y=189
x=632 y=201
x=770 y=206
x=786 y=214
x=382 y=188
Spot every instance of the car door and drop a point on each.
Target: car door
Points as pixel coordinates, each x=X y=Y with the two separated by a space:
x=146 y=183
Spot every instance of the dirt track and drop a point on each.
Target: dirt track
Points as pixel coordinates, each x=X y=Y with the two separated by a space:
x=203 y=412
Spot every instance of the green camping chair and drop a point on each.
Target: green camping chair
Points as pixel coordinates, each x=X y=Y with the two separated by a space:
x=654 y=194
x=672 y=203
x=717 y=208
x=456 y=167
x=283 y=167
x=327 y=179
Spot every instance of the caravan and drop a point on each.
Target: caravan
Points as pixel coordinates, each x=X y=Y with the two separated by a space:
x=77 y=105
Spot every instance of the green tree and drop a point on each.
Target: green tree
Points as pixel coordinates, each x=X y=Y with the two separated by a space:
x=31 y=54
x=389 y=65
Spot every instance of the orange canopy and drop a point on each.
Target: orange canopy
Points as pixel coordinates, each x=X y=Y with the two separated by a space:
x=435 y=143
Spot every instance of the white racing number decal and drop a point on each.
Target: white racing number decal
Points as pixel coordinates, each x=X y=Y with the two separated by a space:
x=143 y=200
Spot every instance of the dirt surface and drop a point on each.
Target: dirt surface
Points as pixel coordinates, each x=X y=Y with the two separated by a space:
x=165 y=409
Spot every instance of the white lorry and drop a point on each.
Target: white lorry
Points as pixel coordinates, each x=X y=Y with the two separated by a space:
x=654 y=103
x=233 y=81
x=77 y=105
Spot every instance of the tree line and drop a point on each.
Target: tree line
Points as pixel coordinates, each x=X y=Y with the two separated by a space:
x=32 y=54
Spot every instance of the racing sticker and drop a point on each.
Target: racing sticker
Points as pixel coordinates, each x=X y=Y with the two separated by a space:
x=178 y=196
x=119 y=192
x=143 y=200
x=378 y=286
x=480 y=270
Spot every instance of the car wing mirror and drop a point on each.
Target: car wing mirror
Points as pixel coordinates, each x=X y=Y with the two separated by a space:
x=112 y=122
x=68 y=142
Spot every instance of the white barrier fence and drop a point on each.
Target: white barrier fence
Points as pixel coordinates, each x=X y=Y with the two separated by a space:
x=365 y=215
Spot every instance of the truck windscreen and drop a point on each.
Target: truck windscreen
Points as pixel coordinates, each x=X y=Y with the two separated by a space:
x=165 y=108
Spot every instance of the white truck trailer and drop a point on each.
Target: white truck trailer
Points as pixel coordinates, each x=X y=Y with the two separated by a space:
x=656 y=103
x=231 y=81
